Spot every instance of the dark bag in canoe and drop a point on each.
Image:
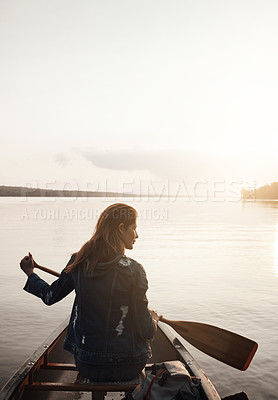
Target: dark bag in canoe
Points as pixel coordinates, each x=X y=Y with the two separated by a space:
x=168 y=381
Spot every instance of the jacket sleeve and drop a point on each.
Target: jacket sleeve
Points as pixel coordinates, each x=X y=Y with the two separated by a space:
x=147 y=325
x=50 y=294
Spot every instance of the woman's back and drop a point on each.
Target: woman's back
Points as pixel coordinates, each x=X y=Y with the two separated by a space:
x=110 y=318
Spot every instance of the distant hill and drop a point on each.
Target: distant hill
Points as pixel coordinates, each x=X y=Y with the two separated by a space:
x=267 y=192
x=21 y=191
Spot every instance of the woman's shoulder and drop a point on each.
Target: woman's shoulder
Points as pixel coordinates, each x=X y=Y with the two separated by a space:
x=72 y=258
x=136 y=270
x=133 y=265
x=129 y=262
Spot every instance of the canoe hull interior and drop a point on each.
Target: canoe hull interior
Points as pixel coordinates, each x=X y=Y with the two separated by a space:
x=51 y=364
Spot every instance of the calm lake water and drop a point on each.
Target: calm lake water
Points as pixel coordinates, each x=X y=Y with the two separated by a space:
x=208 y=261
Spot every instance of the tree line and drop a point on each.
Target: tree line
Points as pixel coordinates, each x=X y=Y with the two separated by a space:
x=269 y=192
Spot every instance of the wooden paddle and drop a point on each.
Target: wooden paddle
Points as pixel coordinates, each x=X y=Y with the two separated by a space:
x=50 y=271
x=226 y=346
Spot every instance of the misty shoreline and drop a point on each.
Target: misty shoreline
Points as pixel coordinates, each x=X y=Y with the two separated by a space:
x=21 y=191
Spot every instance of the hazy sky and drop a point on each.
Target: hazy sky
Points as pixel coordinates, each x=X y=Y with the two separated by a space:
x=130 y=90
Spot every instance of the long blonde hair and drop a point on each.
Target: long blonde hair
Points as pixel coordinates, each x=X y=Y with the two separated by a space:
x=105 y=244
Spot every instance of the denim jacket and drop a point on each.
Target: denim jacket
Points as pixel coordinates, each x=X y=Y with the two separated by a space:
x=110 y=322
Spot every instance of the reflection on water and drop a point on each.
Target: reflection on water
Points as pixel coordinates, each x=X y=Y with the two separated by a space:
x=276 y=251
x=263 y=203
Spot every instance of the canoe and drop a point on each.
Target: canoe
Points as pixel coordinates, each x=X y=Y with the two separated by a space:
x=50 y=372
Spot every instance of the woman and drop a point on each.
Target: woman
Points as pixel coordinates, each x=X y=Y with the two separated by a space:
x=110 y=325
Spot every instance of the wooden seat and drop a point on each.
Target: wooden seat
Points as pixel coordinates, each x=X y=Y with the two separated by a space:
x=98 y=389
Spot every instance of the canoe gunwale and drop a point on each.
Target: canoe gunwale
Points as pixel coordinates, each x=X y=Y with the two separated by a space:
x=24 y=374
x=179 y=343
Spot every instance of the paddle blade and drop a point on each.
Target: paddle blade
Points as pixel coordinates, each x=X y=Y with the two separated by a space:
x=229 y=347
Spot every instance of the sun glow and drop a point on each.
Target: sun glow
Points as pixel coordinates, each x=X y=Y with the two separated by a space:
x=200 y=80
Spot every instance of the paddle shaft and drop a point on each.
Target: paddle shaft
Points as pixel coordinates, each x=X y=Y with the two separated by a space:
x=226 y=346
x=50 y=271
